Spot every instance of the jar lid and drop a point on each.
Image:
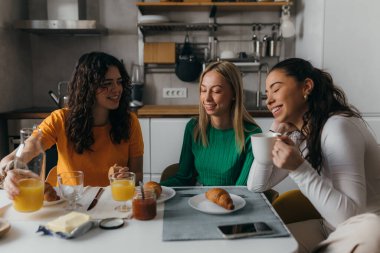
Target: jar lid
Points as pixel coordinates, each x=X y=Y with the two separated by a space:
x=111 y=223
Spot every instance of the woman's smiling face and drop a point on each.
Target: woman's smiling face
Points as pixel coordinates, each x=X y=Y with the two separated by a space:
x=108 y=95
x=216 y=94
x=285 y=97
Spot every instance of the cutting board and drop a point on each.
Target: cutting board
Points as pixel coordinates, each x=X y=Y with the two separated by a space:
x=159 y=52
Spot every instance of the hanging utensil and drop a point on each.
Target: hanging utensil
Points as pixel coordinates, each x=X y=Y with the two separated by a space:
x=62 y=99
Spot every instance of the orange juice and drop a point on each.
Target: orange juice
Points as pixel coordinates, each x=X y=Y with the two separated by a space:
x=31 y=195
x=122 y=189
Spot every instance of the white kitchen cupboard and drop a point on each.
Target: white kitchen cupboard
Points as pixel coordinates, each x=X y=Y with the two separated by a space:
x=163 y=142
x=166 y=143
x=145 y=129
x=165 y=137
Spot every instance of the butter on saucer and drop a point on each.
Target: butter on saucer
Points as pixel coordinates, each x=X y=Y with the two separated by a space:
x=67 y=223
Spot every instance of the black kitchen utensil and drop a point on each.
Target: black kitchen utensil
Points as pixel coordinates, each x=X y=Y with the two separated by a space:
x=188 y=67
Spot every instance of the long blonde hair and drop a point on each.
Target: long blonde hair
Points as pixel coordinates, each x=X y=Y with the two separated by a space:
x=239 y=114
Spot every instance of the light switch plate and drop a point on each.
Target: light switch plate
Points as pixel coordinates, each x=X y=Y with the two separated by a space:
x=174 y=93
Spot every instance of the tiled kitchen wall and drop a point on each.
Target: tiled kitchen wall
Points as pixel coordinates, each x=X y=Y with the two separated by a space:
x=53 y=56
x=235 y=38
x=15 y=64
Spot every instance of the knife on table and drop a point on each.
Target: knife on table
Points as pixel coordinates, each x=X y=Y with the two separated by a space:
x=95 y=200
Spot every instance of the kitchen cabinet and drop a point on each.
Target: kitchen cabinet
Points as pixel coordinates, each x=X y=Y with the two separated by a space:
x=166 y=136
x=162 y=129
x=145 y=129
x=166 y=143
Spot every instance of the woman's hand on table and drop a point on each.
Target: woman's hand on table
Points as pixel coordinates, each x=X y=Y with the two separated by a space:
x=116 y=168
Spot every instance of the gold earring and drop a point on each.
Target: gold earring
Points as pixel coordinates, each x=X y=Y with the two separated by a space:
x=305 y=96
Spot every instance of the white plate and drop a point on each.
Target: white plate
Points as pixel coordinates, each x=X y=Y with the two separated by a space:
x=201 y=203
x=146 y=19
x=166 y=194
x=55 y=202
x=4 y=227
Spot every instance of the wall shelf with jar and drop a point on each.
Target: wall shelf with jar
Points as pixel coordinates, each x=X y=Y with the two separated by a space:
x=250 y=31
x=150 y=7
x=160 y=24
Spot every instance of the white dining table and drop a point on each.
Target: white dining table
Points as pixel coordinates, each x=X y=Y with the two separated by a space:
x=134 y=236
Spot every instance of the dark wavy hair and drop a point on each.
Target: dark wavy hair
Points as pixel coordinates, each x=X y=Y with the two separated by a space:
x=87 y=77
x=325 y=100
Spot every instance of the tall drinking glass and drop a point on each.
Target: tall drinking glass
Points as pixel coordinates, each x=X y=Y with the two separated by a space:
x=30 y=156
x=137 y=74
x=71 y=188
x=122 y=188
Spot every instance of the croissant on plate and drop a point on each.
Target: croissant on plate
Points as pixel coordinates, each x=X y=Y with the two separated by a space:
x=50 y=194
x=220 y=197
x=155 y=186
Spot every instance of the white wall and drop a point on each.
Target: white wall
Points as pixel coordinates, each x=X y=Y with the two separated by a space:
x=310 y=30
x=341 y=37
x=352 y=50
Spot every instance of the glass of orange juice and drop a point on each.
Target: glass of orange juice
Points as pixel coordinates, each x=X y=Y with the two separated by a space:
x=122 y=188
x=31 y=197
x=30 y=156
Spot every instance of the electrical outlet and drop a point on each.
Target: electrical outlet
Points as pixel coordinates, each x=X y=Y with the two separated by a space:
x=174 y=93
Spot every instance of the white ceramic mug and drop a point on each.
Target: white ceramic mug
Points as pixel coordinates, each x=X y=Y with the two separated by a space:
x=262 y=146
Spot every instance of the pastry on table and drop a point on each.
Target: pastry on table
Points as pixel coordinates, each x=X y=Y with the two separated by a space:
x=220 y=197
x=155 y=186
x=50 y=194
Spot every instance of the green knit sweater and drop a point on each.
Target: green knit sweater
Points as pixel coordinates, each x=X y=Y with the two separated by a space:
x=220 y=163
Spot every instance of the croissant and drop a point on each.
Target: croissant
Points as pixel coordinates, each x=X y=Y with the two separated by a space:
x=50 y=194
x=220 y=197
x=155 y=186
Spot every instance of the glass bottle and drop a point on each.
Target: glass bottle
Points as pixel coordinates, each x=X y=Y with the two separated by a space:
x=30 y=156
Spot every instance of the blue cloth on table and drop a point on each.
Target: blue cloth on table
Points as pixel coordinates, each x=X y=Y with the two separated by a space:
x=182 y=222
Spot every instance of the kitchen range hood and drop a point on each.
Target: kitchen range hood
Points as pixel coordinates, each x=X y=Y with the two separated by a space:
x=64 y=17
x=74 y=27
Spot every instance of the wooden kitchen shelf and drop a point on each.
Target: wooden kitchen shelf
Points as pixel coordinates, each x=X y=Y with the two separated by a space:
x=151 y=7
x=171 y=27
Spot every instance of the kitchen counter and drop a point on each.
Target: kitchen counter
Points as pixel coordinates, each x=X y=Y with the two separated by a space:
x=162 y=111
x=28 y=113
x=147 y=111
x=10 y=122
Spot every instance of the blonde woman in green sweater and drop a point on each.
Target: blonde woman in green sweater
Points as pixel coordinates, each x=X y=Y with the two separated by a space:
x=216 y=147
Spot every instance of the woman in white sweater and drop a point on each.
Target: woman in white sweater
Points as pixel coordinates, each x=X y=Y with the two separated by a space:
x=328 y=151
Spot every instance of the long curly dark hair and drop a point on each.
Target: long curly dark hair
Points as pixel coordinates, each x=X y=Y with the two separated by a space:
x=324 y=101
x=87 y=77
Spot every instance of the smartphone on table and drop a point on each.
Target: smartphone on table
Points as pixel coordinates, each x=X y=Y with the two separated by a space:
x=244 y=230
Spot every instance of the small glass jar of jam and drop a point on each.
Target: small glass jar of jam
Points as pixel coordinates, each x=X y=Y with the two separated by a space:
x=144 y=208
